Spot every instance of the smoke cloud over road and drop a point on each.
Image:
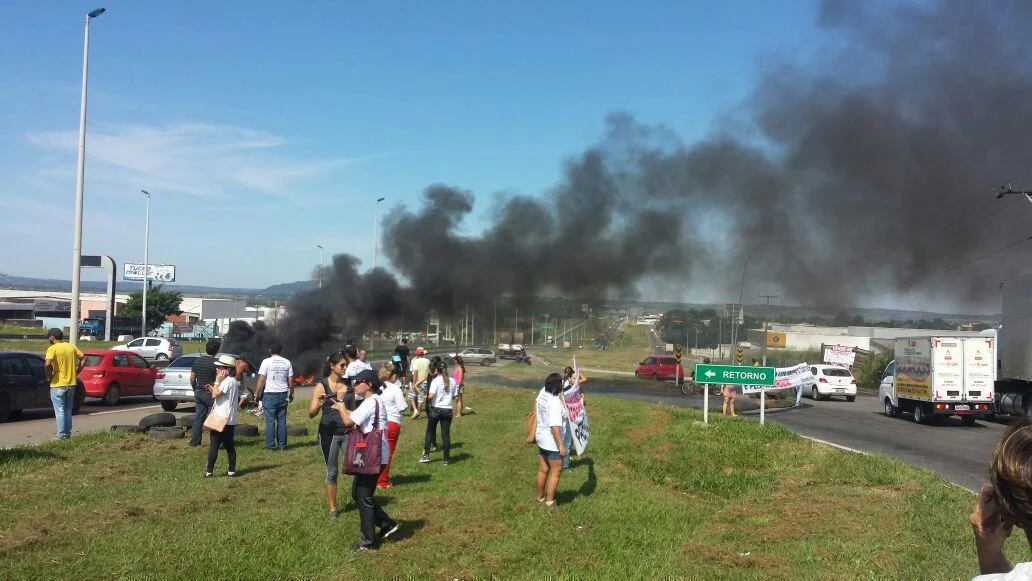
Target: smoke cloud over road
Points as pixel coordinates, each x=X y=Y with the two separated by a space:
x=876 y=153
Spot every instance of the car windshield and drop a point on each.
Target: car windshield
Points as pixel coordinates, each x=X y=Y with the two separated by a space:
x=186 y=361
x=92 y=360
x=837 y=372
x=667 y=361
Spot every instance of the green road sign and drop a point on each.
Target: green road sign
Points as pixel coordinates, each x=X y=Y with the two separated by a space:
x=734 y=374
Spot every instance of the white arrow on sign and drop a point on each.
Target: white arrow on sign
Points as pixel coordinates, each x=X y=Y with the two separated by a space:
x=709 y=373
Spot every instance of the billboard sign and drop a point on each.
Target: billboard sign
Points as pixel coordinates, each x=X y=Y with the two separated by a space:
x=157 y=272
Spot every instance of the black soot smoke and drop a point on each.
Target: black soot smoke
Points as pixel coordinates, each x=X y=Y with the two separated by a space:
x=876 y=155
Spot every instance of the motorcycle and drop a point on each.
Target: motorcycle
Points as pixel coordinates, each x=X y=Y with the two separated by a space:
x=523 y=359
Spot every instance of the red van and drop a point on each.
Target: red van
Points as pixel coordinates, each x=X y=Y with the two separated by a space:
x=659 y=367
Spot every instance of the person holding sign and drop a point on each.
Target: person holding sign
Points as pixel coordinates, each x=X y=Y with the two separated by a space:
x=551 y=441
x=576 y=415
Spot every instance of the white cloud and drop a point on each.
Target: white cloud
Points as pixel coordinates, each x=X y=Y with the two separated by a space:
x=196 y=159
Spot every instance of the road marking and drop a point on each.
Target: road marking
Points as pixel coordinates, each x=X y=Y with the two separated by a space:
x=149 y=407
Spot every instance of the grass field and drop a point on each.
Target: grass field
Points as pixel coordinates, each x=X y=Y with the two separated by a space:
x=623 y=355
x=658 y=496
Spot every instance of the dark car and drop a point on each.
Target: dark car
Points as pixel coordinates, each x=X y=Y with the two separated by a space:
x=24 y=385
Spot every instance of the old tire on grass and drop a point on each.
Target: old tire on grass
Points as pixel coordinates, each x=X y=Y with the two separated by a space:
x=297 y=430
x=186 y=421
x=247 y=430
x=163 y=419
x=127 y=428
x=162 y=433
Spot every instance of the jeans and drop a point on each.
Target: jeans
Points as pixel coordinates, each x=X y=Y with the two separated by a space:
x=202 y=406
x=568 y=441
x=798 y=393
x=436 y=416
x=275 y=406
x=393 y=430
x=225 y=440
x=363 y=487
x=333 y=445
x=63 y=399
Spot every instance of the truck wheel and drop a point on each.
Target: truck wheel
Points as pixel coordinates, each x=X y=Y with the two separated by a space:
x=890 y=410
x=968 y=420
x=989 y=417
x=919 y=414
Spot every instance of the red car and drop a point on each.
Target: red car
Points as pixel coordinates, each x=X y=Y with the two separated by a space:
x=113 y=374
x=659 y=367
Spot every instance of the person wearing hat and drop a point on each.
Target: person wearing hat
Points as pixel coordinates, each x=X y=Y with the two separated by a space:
x=363 y=486
x=420 y=375
x=224 y=393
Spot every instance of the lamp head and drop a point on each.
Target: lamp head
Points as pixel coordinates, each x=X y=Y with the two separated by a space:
x=97 y=12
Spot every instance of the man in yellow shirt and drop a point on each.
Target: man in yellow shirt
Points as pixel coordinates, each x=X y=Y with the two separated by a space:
x=64 y=362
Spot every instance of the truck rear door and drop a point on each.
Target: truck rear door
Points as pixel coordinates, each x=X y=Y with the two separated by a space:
x=979 y=375
x=947 y=369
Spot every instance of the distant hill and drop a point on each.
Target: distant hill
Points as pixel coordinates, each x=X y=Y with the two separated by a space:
x=277 y=291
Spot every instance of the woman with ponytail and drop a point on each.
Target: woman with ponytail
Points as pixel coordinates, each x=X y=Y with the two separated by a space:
x=333 y=437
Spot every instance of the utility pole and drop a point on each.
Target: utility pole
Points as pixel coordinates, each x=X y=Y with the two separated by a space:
x=495 y=321
x=766 y=324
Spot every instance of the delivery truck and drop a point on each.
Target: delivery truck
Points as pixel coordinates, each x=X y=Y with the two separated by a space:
x=934 y=377
x=1014 y=375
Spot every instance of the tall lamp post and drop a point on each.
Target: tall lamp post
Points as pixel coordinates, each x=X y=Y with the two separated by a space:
x=319 y=246
x=73 y=331
x=741 y=288
x=146 y=263
x=376 y=228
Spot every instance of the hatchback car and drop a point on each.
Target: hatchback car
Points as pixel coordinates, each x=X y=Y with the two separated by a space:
x=24 y=385
x=474 y=355
x=829 y=380
x=110 y=375
x=172 y=384
x=155 y=348
x=659 y=368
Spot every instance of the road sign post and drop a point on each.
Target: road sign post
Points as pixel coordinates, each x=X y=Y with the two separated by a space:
x=737 y=375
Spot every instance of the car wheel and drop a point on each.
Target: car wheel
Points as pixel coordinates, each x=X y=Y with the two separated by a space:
x=112 y=395
x=816 y=395
x=850 y=398
x=655 y=377
x=919 y=414
x=161 y=357
x=169 y=406
x=890 y=410
x=637 y=375
x=80 y=398
x=5 y=407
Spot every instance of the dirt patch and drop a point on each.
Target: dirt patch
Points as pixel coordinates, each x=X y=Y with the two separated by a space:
x=727 y=556
x=655 y=422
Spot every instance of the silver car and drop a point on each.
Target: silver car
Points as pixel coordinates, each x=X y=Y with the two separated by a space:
x=172 y=384
x=475 y=355
x=153 y=348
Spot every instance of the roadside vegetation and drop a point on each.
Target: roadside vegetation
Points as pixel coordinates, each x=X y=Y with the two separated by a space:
x=659 y=495
x=628 y=349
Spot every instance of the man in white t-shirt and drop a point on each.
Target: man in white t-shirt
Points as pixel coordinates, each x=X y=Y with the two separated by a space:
x=275 y=390
x=420 y=374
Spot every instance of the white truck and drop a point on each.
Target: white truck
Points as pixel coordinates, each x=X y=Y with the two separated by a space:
x=510 y=350
x=939 y=376
x=1014 y=376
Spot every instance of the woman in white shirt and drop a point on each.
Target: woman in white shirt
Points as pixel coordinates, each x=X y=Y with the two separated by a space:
x=394 y=400
x=440 y=396
x=224 y=394
x=550 y=436
x=364 y=485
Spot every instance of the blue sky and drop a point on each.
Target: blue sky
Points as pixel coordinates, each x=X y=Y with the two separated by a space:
x=294 y=120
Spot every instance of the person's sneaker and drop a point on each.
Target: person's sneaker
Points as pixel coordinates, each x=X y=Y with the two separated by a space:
x=433 y=447
x=231 y=474
x=207 y=474
x=333 y=515
x=424 y=459
x=389 y=530
x=361 y=548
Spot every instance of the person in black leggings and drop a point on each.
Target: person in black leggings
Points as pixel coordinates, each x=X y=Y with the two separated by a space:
x=224 y=394
x=333 y=437
x=440 y=396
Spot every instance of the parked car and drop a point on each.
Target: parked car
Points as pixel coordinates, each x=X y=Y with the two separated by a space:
x=660 y=368
x=832 y=380
x=172 y=384
x=24 y=385
x=110 y=374
x=474 y=355
x=155 y=348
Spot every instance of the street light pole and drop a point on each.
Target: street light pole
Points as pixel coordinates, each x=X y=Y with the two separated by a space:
x=73 y=327
x=766 y=324
x=319 y=246
x=376 y=228
x=146 y=264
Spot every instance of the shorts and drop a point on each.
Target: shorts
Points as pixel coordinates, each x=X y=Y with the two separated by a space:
x=549 y=455
x=730 y=390
x=418 y=393
x=459 y=390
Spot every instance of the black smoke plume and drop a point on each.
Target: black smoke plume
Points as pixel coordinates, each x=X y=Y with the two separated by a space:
x=876 y=153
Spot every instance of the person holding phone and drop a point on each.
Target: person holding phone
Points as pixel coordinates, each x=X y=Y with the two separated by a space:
x=224 y=395
x=1004 y=503
x=333 y=436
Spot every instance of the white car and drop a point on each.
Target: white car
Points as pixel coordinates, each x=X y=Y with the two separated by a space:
x=829 y=380
x=153 y=348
